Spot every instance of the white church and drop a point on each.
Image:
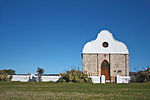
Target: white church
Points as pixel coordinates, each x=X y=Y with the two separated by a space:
x=106 y=56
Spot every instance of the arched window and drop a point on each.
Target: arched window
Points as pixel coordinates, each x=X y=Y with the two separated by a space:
x=105 y=64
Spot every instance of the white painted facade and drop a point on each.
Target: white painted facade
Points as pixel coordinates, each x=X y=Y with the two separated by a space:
x=105 y=36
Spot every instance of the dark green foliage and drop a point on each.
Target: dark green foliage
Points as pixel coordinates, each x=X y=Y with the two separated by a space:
x=8 y=71
x=40 y=72
x=4 y=76
x=142 y=76
x=75 y=76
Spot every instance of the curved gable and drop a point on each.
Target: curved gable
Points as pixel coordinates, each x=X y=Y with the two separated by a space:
x=105 y=43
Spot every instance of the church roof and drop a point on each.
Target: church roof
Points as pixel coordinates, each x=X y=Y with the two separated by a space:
x=105 y=43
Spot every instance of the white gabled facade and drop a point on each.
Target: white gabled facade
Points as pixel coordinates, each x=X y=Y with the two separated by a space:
x=115 y=46
x=105 y=56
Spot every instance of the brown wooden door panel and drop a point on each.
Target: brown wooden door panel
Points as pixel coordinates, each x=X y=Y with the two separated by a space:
x=105 y=70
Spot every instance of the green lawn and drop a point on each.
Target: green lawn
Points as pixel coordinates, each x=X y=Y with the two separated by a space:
x=73 y=91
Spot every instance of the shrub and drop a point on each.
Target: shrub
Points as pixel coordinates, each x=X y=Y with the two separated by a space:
x=142 y=76
x=74 y=76
x=4 y=76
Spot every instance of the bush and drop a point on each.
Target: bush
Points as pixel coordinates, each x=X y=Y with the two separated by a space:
x=142 y=76
x=4 y=76
x=74 y=76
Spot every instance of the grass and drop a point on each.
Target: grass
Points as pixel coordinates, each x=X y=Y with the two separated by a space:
x=73 y=91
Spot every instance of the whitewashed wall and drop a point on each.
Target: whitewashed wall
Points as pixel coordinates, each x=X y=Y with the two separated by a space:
x=95 y=79
x=25 y=78
x=22 y=78
x=122 y=79
x=50 y=78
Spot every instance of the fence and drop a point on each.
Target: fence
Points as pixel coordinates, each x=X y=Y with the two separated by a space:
x=95 y=79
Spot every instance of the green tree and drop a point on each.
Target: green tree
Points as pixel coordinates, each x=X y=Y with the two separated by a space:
x=40 y=72
x=8 y=71
x=4 y=76
x=142 y=76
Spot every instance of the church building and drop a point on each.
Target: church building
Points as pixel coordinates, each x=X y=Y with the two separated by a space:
x=105 y=56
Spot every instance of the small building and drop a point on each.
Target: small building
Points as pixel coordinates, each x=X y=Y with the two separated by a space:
x=105 y=56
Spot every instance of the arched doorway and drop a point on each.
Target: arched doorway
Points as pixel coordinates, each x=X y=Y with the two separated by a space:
x=105 y=69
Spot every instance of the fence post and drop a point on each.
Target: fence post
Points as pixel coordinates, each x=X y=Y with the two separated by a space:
x=118 y=79
x=102 y=79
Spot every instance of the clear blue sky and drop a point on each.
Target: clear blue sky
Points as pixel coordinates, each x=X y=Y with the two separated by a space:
x=51 y=33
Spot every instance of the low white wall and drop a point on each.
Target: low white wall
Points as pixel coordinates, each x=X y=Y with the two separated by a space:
x=123 y=79
x=22 y=78
x=95 y=79
x=119 y=79
x=26 y=78
x=50 y=78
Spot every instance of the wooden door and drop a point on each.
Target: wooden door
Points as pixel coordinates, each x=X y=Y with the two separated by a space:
x=105 y=69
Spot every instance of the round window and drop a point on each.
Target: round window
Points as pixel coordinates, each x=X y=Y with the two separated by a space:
x=105 y=44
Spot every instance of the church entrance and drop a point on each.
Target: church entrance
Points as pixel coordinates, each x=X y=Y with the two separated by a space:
x=105 y=69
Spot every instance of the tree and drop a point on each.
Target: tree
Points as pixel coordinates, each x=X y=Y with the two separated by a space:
x=142 y=76
x=6 y=74
x=9 y=71
x=40 y=72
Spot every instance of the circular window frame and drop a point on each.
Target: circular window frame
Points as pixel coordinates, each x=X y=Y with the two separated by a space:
x=105 y=44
